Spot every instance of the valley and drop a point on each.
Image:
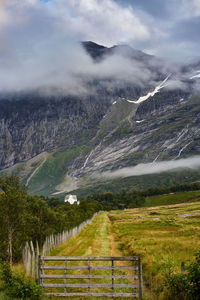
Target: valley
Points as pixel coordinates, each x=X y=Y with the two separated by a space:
x=164 y=236
x=100 y=148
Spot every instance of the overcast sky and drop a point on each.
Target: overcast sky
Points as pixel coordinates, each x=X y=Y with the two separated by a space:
x=166 y=28
x=41 y=35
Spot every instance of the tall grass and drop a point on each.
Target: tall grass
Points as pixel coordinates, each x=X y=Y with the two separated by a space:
x=160 y=236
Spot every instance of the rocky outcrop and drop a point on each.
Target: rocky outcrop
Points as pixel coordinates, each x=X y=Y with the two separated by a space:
x=31 y=124
x=165 y=133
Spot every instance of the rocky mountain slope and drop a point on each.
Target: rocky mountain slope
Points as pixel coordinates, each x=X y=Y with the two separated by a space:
x=59 y=143
x=31 y=123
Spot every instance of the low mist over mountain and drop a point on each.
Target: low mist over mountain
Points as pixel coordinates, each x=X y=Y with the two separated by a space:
x=58 y=141
x=99 y=95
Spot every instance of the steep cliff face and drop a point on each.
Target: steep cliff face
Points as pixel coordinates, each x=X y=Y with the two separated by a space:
x=31 y=124
x=63 y=141
x=167 y=134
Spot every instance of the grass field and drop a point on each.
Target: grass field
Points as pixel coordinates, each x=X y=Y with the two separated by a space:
x=163 y=236
x=172 y=198
x=94 y=240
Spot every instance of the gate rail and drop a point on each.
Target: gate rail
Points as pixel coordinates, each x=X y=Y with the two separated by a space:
x=136 y=276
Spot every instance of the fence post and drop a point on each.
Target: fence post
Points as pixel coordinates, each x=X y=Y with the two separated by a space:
x=140 y=279
x=37 y=253
x=32 y=258
x=28 y=263
x=39 y=269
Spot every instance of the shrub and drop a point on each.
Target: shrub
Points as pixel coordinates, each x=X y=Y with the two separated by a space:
x=177 y=287
x=17 y=285
x=193 y=277
x=180 y=286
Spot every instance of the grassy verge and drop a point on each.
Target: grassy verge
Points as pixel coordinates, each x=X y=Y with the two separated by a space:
x=161 y=236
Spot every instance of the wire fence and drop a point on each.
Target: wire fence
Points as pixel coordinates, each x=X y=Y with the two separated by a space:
x=31 y=252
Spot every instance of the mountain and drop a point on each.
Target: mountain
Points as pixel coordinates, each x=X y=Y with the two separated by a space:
x=58 y=143
x=32 y=123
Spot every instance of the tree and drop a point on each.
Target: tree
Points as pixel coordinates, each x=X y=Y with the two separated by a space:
x=12 y=209
x=41 y=219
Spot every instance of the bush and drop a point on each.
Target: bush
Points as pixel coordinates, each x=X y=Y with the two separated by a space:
x=177 y=287
x=193 y=277
x=17 y=285
x=180 y=286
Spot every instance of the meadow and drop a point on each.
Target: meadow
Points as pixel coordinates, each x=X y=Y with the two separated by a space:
x=172 y=198
x=164 y=236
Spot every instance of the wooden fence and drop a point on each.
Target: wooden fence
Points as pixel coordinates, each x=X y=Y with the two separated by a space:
x=31 y=252
x=64 y=273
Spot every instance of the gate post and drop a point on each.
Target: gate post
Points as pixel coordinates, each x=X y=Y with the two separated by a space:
x=37 y=263
x=140 y=279
x=39 y=269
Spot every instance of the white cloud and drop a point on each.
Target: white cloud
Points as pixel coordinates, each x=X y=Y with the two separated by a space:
x=106 y=22
x=158 y=167
x=189 y=9
x=39 y=47
x=194 y=7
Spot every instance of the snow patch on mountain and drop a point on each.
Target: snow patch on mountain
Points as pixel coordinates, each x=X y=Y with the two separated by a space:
x=197 y=75
x=150 y=94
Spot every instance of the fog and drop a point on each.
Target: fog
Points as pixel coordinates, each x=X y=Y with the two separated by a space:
x=157 y=167
x=40 y=46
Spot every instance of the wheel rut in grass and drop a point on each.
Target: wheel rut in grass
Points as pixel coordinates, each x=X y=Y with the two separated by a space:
x=95 y=239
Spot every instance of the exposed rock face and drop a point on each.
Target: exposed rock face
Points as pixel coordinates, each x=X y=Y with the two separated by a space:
x=117 y=130
x=32 y=124
x=166 y=133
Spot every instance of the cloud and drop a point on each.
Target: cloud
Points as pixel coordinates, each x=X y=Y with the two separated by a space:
x=190 y=8
x=157 y=167
x=39 y=43
x=104 y=21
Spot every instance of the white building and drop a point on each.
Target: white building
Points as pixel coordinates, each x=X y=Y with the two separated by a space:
x=72 y=199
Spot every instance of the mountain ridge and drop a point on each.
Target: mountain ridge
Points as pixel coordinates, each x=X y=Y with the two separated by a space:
x=105 y=131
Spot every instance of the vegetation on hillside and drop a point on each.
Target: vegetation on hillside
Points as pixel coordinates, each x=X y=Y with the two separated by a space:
x=139 y=183
x=133 y=199
x=24 y=217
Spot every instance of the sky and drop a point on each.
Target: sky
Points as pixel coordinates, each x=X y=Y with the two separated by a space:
x=165 y=28
x=39 y=38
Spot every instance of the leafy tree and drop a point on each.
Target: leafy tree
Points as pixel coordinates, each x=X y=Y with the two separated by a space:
x=12 y=209
x=41 y=219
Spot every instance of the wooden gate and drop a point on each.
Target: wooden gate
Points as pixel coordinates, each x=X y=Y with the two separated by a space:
x=58 y=273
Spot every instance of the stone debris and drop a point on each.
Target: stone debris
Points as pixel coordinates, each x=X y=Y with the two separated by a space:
x=137 y=218
x=189 y=215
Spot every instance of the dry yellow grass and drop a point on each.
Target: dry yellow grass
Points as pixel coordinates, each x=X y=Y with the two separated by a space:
x=160 y=236
x=94 y=240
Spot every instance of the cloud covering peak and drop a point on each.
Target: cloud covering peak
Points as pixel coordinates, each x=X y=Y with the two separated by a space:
x=39 y=41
